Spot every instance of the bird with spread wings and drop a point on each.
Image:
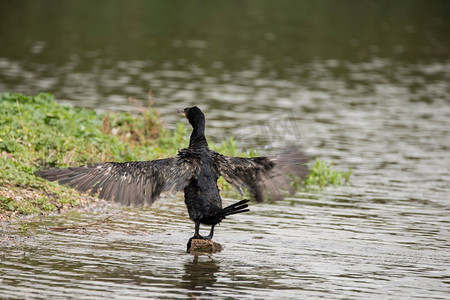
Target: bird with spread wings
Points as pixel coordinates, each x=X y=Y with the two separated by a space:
x=195 y=170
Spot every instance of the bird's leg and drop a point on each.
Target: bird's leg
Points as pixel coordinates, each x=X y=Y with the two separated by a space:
x=211 y=233
x=196 y=235
x=197 y=231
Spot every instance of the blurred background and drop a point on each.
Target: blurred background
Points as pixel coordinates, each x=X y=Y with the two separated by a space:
x=235 y=59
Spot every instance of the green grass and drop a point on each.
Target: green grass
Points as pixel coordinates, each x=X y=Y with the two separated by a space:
x=36 y=132
x=322 y=174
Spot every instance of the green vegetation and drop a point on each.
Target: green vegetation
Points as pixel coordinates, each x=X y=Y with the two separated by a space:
x=36 y=132
x=324 y=173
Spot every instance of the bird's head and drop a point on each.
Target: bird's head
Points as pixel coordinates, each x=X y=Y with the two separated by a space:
x=194 y=115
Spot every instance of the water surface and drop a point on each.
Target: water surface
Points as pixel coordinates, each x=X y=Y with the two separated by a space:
x=360 y=83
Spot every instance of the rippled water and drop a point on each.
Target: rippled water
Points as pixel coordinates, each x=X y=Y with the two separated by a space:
x=354 y=242
x=386 y=234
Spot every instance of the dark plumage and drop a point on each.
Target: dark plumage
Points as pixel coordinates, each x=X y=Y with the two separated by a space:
x=195 y=169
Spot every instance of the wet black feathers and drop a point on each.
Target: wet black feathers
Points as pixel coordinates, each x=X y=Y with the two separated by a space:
x=265 y=177
x=130 y=183
x=136 y=183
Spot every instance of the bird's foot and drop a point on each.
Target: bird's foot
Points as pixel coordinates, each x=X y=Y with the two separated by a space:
x=189 y=245
x=208 y=237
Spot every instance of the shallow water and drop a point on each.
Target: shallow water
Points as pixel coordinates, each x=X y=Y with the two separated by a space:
x=383 y=112
x=351 y=243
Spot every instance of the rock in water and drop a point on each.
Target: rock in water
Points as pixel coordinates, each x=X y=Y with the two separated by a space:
x=199 y=246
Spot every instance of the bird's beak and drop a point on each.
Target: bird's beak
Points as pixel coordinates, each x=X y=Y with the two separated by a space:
x=181 y=111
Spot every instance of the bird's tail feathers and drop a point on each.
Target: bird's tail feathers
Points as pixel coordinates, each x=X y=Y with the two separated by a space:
x=236 y=208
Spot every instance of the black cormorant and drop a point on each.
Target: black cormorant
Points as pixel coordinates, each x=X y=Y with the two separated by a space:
x=195 y=169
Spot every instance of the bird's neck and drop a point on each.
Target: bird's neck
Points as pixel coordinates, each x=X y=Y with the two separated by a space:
x=198 y=139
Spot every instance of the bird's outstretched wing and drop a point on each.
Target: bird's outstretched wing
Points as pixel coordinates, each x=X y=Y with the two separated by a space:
x=129 y=183
x=264 y=176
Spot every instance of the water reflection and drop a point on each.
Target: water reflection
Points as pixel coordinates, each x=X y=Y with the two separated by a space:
x=200 y=274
